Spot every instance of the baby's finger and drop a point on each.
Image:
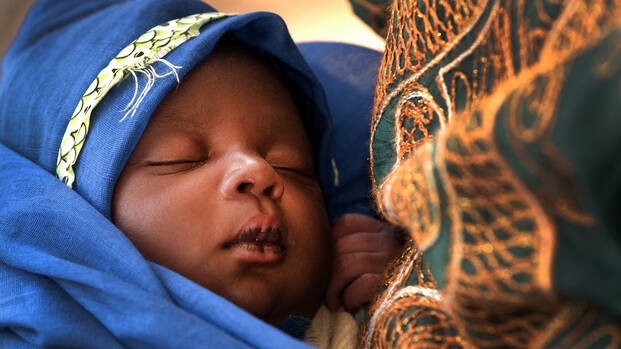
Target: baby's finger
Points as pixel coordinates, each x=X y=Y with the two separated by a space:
x=367 y=242
x=347 y=268
x=353 y=222
x=361 y=291
x=333 y=299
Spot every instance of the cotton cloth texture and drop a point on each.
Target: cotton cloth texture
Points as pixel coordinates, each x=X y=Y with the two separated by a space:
x=68 y=276
x=332 y=330
x=496 y=141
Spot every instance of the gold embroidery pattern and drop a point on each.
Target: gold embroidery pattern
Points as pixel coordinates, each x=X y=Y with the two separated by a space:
x=410 y=46
x=459 y=57
x=499 y=289
x=500 y=229
x=502 y=240
x=415 y=309
x=427 y=325
x=418 y=119
x=412 y=198
x=570 y=35
x=397 y=276
x=579 y=326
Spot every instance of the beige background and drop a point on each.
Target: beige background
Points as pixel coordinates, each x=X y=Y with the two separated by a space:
x=311 y=19
x=307 y=19
x=11 y=14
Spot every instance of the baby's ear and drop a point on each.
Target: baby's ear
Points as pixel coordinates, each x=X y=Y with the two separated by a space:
x=348 y=75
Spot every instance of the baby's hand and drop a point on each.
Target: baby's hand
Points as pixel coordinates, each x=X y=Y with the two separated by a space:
x=362 y=247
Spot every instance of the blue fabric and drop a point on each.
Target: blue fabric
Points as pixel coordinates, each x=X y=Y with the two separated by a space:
x=348 y=74
x=68 y=276
x=296 y=326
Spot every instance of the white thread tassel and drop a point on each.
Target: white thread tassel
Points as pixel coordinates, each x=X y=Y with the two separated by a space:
x=151 y=75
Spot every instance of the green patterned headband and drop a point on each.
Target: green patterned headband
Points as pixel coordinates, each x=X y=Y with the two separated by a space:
x=137 y=57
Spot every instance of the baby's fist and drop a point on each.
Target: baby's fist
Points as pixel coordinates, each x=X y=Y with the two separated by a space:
x=362 y=247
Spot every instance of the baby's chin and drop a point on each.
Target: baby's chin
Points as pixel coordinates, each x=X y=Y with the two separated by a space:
x=259 y=300
x=271 y=304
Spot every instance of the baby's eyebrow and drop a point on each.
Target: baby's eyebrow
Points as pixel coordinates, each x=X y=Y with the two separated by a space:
x=177 y=117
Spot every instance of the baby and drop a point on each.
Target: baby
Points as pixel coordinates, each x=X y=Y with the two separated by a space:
x=214 y=175
x=222 y=188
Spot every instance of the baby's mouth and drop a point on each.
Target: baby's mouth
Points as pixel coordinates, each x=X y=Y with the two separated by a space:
x=260 y=241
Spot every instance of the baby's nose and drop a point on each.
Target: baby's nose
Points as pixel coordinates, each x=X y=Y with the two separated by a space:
x=250 y=174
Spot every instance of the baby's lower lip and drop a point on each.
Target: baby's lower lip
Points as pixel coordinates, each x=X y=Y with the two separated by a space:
x=252 y=252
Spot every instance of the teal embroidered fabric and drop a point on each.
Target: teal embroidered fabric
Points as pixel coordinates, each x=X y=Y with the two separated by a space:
x=495 y=141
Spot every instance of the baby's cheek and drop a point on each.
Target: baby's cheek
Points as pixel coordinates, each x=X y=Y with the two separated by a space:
x=323 y=243
x=309 y=211
x=305 y=208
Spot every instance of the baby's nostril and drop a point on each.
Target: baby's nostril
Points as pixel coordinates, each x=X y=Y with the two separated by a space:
x=243 y=187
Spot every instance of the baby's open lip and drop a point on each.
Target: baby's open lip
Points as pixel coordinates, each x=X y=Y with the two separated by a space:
x=260 y=240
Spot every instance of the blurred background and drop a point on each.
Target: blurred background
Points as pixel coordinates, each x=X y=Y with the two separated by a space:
x=307 y=20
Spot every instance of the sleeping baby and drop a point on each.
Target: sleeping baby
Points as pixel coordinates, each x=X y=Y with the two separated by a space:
x=217 y=168
x=222 y=188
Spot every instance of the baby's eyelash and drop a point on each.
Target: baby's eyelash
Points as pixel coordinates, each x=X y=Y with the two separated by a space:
x=172 y=162
x=169 y=167
x=294 y=170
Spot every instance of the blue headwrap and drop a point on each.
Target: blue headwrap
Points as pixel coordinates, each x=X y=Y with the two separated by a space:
x=68 y=276
x=348 y=74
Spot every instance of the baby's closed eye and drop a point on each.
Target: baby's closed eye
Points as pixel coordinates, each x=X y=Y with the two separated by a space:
x=165 y=167
x=296 y=171
x=291 y=162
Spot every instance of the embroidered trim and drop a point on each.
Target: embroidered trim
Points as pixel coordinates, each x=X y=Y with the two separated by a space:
x=137 y=57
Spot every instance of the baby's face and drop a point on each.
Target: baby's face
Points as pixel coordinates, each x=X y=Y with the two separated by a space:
x=221 y=188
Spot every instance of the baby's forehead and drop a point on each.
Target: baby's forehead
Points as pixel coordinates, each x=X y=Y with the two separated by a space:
x=232 y=90
x=230 y=78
